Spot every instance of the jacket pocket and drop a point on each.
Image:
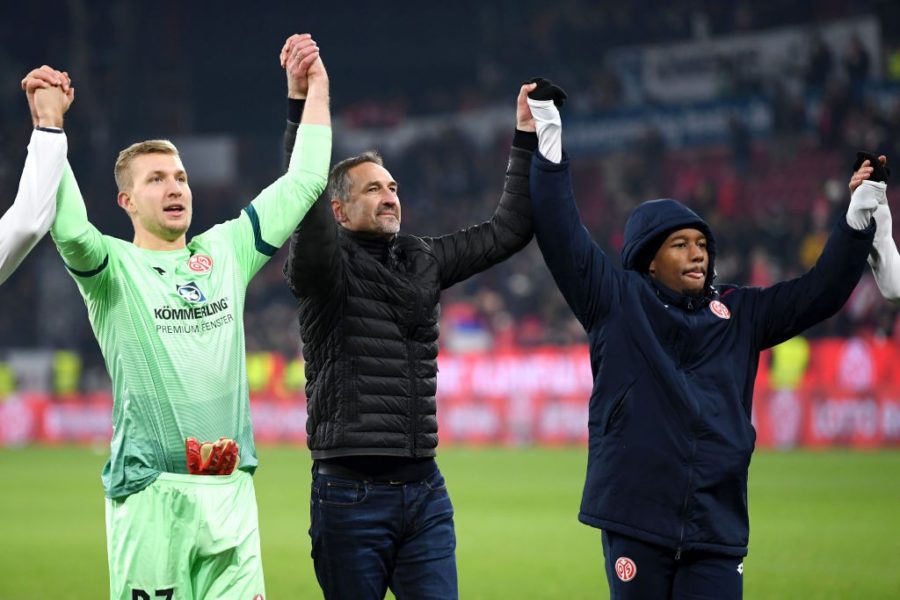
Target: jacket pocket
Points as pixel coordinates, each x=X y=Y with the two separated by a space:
x=341 y=493
x=616 y=412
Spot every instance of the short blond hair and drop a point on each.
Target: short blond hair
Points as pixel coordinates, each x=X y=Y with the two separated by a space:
x=122 y=173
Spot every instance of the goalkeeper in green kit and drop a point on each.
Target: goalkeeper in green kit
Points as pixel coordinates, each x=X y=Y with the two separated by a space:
x=181 y=516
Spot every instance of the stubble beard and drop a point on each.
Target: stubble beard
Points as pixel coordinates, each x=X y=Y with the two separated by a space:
x=389 y=226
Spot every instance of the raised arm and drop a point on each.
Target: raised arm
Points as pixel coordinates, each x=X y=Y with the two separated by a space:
x=29 y=218
x=474 y=249
x=313 y=261
x=79 y=243
x=585 y=276
x=280 y=207
x=790 y=307
x=883 y=258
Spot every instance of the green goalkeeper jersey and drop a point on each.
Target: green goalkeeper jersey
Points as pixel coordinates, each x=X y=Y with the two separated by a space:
x=170 y=323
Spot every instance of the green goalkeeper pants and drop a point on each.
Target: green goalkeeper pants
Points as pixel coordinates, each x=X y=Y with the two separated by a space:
x=186 y=537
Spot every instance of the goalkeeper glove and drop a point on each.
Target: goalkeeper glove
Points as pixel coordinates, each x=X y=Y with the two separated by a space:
x=212 y=458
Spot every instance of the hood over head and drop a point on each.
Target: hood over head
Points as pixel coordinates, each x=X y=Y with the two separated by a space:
x=650 y=224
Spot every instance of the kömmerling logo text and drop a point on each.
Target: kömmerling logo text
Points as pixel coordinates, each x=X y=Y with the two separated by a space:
x=168 y=313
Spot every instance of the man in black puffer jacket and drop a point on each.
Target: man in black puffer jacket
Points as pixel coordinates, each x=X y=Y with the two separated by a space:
x=369 y=308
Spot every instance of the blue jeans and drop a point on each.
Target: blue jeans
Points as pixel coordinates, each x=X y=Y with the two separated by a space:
x=368 y=537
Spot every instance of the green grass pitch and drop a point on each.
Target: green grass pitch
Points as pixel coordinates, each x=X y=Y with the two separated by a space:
x=823 y=525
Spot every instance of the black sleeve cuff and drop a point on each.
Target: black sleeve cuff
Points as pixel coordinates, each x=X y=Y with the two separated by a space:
x=50 y=129
x=526 y=140
x=295 y=109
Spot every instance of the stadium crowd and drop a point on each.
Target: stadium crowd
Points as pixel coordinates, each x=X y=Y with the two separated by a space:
x=771 y=200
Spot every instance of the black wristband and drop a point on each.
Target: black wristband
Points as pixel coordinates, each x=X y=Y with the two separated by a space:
x=527 y=140
x=295 y=109
x=49 y=129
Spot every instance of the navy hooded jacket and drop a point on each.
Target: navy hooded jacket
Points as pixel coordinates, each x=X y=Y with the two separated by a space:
x=670 y=436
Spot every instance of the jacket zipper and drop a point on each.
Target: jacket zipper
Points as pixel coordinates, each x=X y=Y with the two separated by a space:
x=690 y=481
x=410 y=358
x=687 y=498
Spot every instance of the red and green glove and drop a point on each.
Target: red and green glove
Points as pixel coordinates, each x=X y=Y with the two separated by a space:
x=211 y=458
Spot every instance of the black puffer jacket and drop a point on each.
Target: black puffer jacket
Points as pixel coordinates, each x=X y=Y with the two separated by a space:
x=370 y=330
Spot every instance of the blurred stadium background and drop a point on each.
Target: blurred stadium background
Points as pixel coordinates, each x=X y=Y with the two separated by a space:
x=748 y=111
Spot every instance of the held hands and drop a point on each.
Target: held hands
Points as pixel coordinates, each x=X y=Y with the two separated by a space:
x=868 y=166
x=50 y=94
x=867 y=188
x=544 y=89
x=50 y=104
x=524 y=118
x=300 y=59
x=544 y=100
x=212 y=458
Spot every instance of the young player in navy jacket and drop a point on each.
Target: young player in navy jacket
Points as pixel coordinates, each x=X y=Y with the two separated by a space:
x=674 y=359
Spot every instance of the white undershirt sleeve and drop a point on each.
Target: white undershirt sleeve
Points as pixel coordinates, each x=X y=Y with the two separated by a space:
x=32 y=213
x=884 y=258
x=549 y=128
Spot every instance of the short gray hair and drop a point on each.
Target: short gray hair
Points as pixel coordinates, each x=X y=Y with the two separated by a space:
x=339 y=180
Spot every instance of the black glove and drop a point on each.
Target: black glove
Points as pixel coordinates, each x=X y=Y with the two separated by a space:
x=880 y=172
x=547 y=90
